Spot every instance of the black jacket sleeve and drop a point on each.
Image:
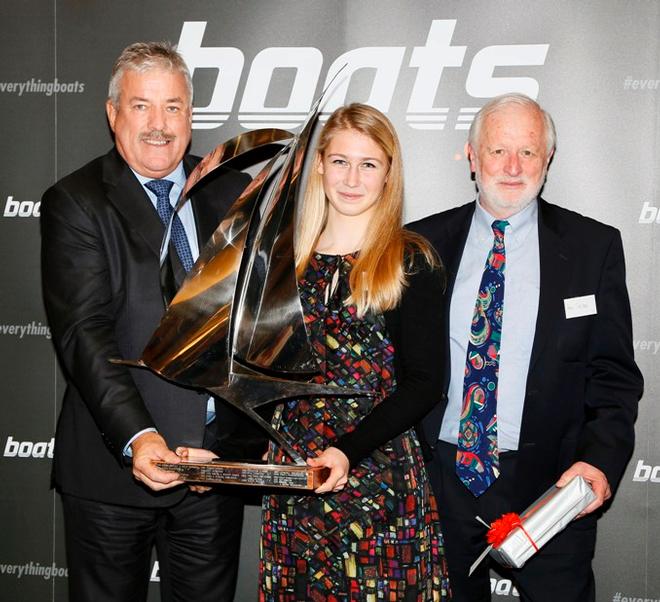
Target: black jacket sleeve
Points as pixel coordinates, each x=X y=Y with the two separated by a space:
x=416 y=328
x=81 y=308
x=614 y=384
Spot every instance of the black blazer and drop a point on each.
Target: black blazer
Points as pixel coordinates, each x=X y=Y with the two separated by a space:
x=101 y=240
x=415 y=328
x=583 y=385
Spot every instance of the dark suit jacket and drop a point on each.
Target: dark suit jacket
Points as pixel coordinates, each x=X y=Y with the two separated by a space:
x=101 y=241
x=583 y=384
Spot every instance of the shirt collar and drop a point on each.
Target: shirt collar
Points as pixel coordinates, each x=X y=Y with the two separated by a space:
x=520 y=224
x=178 y=176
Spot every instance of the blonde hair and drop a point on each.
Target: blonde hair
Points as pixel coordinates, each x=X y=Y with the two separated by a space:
x=386 y=258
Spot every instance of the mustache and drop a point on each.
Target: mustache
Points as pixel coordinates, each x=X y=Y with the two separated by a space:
x=157 y=136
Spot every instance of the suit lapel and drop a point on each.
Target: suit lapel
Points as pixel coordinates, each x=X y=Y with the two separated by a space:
x=126 y=193
x=453 y=243
x=555 y=264
x=199 y=204
x=211 y=201
x=206 y=216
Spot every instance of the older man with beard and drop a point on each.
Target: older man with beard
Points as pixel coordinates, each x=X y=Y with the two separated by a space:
x=541 y=383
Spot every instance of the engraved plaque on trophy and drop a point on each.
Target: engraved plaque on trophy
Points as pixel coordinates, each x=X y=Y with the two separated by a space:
x=294 y=476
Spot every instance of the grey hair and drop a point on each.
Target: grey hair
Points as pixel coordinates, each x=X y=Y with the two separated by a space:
x=144 y=56
x=497 y=103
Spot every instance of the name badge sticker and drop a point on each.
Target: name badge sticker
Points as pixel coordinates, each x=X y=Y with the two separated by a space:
x=577 y=307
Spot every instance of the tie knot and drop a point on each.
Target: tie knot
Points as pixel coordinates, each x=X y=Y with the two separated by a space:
x=161 y=188
x=498 y=227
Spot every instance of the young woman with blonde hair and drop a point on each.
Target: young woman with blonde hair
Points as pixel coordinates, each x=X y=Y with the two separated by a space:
x=371 y=293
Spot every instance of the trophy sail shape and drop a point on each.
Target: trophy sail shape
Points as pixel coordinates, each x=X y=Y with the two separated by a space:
x=190 y=344
x=236 y=326
x=269 y=331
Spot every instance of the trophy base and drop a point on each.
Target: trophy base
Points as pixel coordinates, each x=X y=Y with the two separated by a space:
x=254 y=474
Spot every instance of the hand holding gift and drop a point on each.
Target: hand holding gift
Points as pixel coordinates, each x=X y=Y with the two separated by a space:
x=514 y=539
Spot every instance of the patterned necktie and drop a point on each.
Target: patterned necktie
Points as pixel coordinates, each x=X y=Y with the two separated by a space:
x=477 y=458
x=161 y=188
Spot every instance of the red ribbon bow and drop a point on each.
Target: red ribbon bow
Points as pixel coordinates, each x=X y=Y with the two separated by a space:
x=501 y=527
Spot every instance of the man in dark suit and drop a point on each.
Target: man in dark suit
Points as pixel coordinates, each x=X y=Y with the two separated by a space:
x=542 y=384
x=102 y=228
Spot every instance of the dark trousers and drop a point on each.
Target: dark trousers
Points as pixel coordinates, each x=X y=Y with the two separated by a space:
x=197 y=542
x=560 y=571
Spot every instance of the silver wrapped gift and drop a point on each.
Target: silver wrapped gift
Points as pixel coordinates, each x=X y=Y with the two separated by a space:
x=546 y=517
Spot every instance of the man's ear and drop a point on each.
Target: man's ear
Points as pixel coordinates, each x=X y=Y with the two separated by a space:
x=111 y=112
x=470 y=154
x=550 y=155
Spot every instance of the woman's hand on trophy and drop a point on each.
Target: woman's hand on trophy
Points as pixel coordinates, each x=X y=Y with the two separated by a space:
x=196 y=454
x=338 y=463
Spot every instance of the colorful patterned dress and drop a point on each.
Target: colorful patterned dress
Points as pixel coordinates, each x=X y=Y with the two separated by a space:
x=379 y=538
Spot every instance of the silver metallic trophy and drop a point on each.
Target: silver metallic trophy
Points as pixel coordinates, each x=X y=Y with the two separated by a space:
x=235 y=327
